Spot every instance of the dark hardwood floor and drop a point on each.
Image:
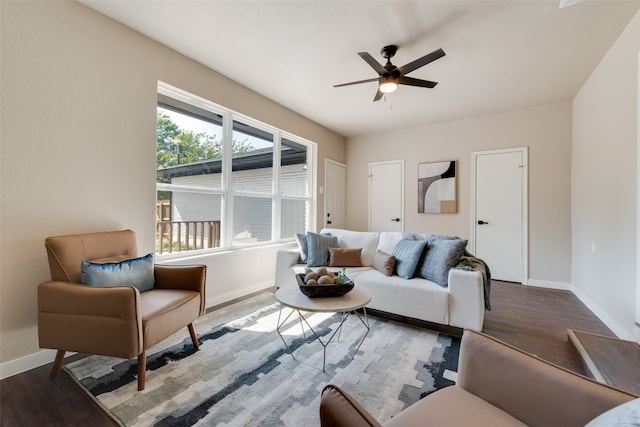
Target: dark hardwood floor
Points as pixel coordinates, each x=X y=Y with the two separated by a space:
x=533 y=319
x=536 y=320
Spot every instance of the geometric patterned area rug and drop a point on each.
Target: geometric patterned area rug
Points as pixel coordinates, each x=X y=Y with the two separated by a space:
x=242 y=375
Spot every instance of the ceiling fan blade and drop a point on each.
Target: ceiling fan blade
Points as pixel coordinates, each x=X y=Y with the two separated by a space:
x=420 y=62
x=378 y=96
x=372 y=62
x=358 y=82
x=404 y=80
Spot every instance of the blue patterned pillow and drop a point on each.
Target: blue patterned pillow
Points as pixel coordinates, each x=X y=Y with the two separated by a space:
x=407 y=254
x=136 y=272
x=318 y=248
x=442 y=255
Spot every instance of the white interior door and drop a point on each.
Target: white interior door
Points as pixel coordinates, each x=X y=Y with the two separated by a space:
x=335 y=195
x=386 y=196
x=500 y=214
x=637 y=322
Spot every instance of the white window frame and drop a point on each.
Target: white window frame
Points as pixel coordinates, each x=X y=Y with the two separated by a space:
x=227 y=192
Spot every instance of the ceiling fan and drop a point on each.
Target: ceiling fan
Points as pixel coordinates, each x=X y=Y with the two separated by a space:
x=390 y=76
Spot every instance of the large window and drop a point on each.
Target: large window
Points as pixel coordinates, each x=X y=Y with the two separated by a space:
x=217 y=184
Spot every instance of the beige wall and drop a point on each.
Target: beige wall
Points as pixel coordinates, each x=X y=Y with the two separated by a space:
x=546 y=130
x=604 y=184
x=78 y=148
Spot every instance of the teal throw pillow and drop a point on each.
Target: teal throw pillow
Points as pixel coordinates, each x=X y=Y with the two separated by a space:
x=136 y=272
x=442 y=255
x=318 y=248
x=407 y=254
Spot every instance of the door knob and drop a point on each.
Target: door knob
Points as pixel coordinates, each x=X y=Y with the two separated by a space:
x=480 y=222
x=395 y=219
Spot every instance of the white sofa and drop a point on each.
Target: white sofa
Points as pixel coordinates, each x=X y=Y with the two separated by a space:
x=460 y=305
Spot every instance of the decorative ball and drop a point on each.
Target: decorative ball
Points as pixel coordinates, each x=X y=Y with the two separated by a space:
x=325 y=280
x=311 y=276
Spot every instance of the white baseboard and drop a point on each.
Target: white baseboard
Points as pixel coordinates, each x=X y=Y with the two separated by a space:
x=25 y=363
x=610 y=322
x=230 y=296
x=549 y=284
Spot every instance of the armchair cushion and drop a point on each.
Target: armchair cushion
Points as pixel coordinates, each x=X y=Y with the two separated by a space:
x=136 y=272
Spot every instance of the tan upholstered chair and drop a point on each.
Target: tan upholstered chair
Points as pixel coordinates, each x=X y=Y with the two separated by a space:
x=113 y=321
x=498 y=385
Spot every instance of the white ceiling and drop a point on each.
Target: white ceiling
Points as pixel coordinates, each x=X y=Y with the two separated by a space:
x=500 y=55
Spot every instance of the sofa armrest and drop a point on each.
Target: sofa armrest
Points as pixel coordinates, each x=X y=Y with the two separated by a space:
x=186 y=277
x=90 y=319
x=466 y=299
x=285 y=259
x=339 y=409
x=536 y=392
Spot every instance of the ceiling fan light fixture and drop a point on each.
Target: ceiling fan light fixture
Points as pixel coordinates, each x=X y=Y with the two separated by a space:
x=390 y=76
x=388 y=84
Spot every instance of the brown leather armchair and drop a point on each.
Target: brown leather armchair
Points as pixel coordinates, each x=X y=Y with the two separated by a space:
x=113 y=321
x=498 y=385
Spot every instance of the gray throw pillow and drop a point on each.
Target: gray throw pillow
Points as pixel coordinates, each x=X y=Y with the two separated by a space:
x=302 y=246
x=301 y=238
x=407 y=254
x=442 y=255
x=318 y=248
x=136 y=272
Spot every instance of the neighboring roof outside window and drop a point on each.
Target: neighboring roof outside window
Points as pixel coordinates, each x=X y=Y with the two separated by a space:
x=257 y=159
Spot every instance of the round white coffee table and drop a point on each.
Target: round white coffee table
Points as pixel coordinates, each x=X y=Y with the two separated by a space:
x=292 y=297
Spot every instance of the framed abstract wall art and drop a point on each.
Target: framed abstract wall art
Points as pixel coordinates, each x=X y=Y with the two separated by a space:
x=437 y=187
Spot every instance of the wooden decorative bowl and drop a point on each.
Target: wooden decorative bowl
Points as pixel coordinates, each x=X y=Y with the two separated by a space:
x=320 y=291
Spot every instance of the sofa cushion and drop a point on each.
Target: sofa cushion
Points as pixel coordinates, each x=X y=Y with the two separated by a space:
x=384 y=263
x=389 y=239
x=415 y=298
x=136 y=272
x=366 y=240
x=345 y=257
x=441 y=256
x=407 y=254
x=318 y=248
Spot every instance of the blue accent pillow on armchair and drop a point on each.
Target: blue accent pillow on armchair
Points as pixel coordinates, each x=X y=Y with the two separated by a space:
x=318 y=248
x=136 y=272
